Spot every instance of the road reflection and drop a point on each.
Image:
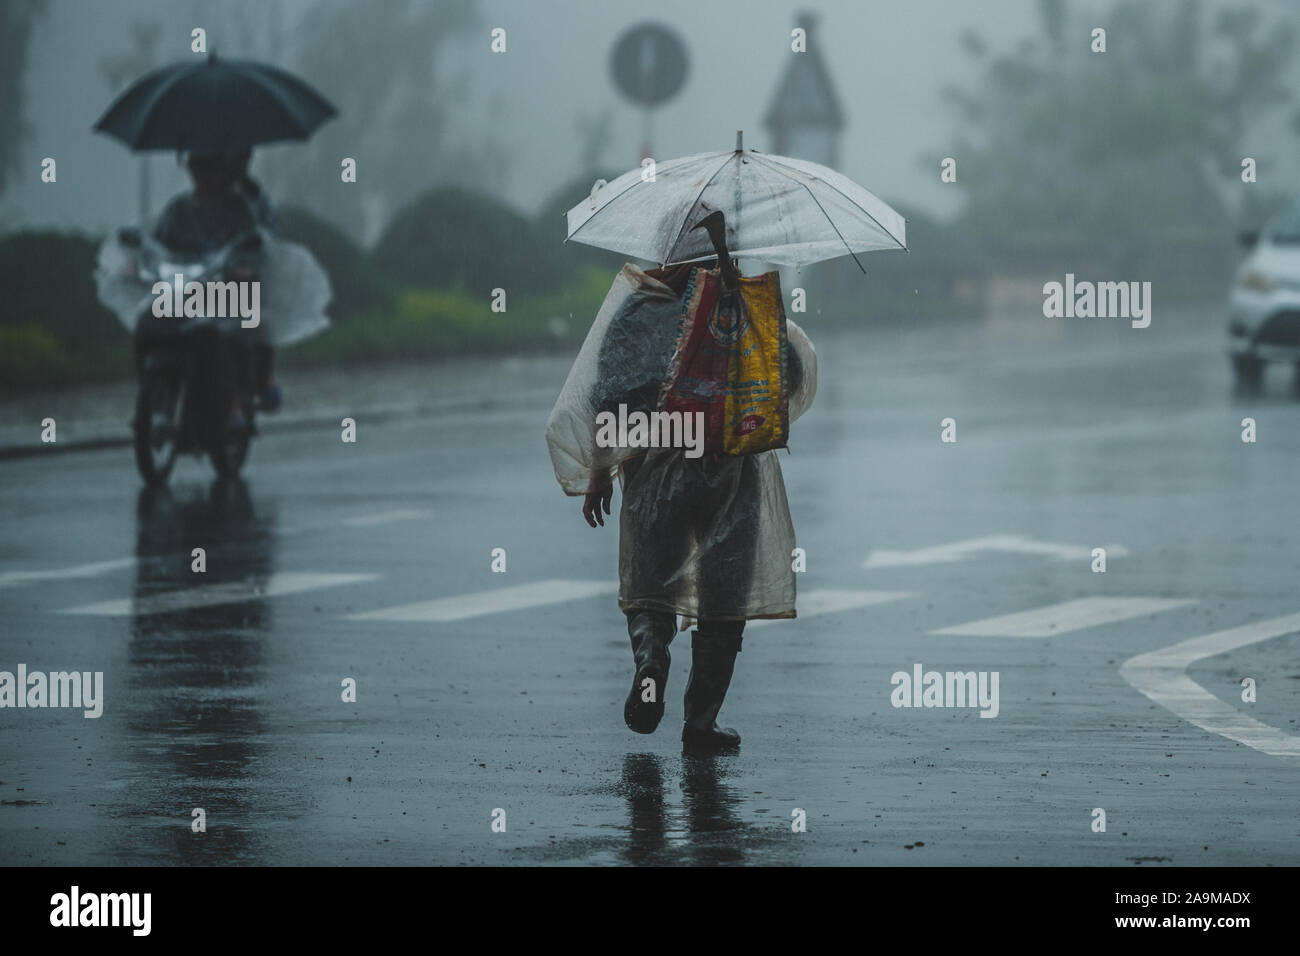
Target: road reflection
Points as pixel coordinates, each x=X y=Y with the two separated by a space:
x=710 y=832
x=196 y=721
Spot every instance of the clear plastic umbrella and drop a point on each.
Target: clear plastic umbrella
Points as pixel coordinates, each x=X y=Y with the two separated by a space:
x=789 y=212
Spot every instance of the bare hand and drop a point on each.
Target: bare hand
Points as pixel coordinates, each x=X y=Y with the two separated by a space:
x=597 y=499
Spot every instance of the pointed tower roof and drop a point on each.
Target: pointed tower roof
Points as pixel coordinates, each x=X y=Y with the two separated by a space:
x=805 y=95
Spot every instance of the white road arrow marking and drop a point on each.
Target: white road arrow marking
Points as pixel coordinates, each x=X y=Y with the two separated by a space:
x=1065 y=617
x=1162 y=676
x=495 y=601
x=961 y=550
x=226 y=592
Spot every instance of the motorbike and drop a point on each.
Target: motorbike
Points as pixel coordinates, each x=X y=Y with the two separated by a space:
x=193 y=370
x=195 y=375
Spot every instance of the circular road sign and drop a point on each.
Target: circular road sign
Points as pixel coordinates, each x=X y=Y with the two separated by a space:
x=649 y=63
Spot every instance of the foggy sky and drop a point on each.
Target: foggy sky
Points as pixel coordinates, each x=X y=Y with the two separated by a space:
x=889 y=61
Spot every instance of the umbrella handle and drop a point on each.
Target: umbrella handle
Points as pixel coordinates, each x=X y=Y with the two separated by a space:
x=715 y=224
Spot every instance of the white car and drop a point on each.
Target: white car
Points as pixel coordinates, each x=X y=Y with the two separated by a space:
x=1264 y=304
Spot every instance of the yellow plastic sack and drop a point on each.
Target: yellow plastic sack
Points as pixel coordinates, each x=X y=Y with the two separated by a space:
x=730 y=363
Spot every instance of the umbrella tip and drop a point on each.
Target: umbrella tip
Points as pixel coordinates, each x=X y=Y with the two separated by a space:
x=740 y=140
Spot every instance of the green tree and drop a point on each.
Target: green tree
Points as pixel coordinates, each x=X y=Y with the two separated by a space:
x=1136 y=145
x=396 y=104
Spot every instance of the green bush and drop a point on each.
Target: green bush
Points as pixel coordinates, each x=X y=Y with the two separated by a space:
x=450 y=237
x=30 y=357
x=425 y=293
x=552 y=226
x=56 y=332
x=358 y=288
x=432 y=324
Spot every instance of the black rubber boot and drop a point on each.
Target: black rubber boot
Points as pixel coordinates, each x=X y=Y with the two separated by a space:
x=713 y=658
x=651 y=633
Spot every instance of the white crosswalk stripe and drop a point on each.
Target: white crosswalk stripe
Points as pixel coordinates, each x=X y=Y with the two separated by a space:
x=226 y=592
x=11 y=578
x=494 y=601
x=827 y=601
x=384 y=517
x=1065 y=617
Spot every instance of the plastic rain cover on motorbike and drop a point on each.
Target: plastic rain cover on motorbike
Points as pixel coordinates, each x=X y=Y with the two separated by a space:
x=708 y=537
x=294 y=290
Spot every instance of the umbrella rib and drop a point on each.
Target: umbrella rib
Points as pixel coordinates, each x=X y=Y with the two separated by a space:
x=165 y=87
x=632 y=185
x=269 y=84
x=682 y=231
x=282 y=81
x=120 y=97
x=832 y=221
x=272 y=84
x=781 y=168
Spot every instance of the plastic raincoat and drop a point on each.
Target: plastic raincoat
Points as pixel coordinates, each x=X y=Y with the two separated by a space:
x=294 y=289
x=709 y=538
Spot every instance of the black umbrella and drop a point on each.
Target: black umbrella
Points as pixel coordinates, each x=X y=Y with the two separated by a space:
x=214 y=106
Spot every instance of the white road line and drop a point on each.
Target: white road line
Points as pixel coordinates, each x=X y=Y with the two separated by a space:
x=1065 y=617
x=1161 y=676
x=961 y=550
x=227 y=592
x=386 y=517
x=825 y=601
x=10 y=578
x=495 y=601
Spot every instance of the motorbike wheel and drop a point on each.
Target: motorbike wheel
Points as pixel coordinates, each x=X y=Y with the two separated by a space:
x=229 y=453
x=1248 y=373
x=158 y=409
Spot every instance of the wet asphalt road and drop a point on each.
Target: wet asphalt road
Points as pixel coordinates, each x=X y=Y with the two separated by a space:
x=1076 y=436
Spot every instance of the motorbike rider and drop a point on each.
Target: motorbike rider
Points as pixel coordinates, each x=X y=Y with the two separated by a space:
x=224 y=204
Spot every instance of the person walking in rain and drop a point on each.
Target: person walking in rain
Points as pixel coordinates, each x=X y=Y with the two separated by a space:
x=706 y=537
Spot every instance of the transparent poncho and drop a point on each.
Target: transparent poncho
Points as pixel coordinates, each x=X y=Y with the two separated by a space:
x=709 y=537
x=294 y=290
